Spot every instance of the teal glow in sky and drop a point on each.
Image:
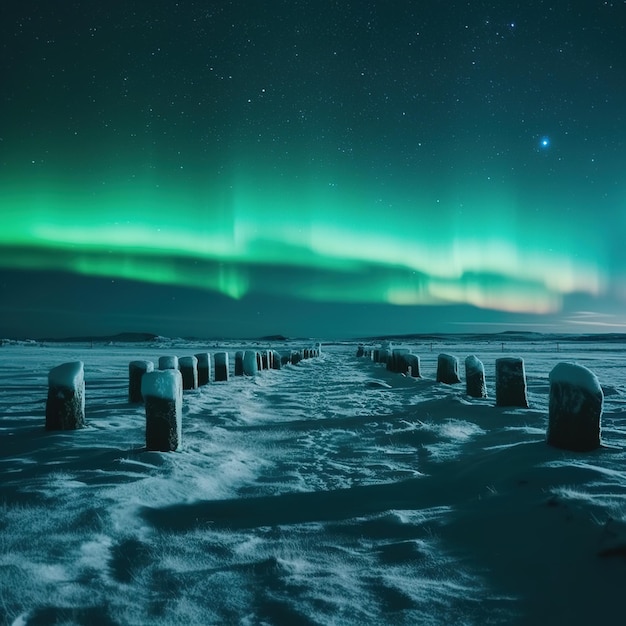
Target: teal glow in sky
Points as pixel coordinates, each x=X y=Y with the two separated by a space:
x=351 y=154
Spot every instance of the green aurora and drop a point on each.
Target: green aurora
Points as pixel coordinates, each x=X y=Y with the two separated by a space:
x=478 y=247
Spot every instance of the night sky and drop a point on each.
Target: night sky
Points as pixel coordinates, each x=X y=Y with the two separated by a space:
x=325 y=168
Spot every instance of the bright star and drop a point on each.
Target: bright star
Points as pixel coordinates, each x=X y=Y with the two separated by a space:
x=544 y=143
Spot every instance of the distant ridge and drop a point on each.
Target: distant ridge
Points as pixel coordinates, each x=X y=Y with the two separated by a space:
x=508 y=335
x=120 y=337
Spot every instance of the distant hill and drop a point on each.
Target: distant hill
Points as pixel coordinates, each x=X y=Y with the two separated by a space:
x=120 y=337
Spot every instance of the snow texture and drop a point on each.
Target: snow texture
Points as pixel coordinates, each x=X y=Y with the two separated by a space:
x=166 y=384
x=332 y=492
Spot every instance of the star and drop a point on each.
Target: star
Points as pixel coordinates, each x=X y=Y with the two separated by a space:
x=544 y=143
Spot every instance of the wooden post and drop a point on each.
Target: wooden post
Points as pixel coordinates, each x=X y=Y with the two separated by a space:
x=65 y=406
x=136 y=370
x=475 y=378
x=447 y=369
x=575 y=409
x=511 y=382
x=221 y=366
x=163 y=394
x=204 y=368
x=188 y=366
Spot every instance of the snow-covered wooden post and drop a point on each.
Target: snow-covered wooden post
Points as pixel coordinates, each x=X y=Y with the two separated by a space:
x=413 y=364
x=475 y=377
x=188 y=366
x=163 y=394
x=250 y=363
x=511 y=382
x=136 y=370
x=276 y=360
x=168 y=362
x=65 y=406
x=384 y=355
x=575 y=409
x=221 y=366
x=265 y=359
x=204 y=368
x=376 y=355
x=447 y=369
x=397 y=362
x=239 y=363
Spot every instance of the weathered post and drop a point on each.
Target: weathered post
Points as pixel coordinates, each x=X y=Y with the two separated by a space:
x=168 y=363
x=163 y=394
x=448 y=369
x=511 y=382
x=65 y=406
x=239 y=363
x=397 y=362
x=413 y=364
x=136 y=370
x=221 y=366
x=276 y=360
x=188 y=366
x=250 y=363
x=575 y=408
x=475 y=377
x=204 y=368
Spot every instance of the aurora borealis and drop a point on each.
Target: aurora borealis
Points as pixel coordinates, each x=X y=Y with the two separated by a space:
x=416 y=164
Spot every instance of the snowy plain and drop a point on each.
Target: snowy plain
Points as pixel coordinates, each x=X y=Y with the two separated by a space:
x=329 y=492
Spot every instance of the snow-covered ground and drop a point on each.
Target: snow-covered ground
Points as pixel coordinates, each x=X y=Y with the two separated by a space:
x=331 y=492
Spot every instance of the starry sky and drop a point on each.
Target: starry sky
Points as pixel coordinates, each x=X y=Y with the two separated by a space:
x=325 y=168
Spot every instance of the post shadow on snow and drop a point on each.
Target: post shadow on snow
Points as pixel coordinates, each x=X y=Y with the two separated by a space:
x=297 y=508
x=49 y=615
x=532 y=463
x=35 y=456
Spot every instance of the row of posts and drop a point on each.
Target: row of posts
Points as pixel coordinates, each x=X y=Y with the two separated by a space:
x=575 y=403
x=161 y=390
